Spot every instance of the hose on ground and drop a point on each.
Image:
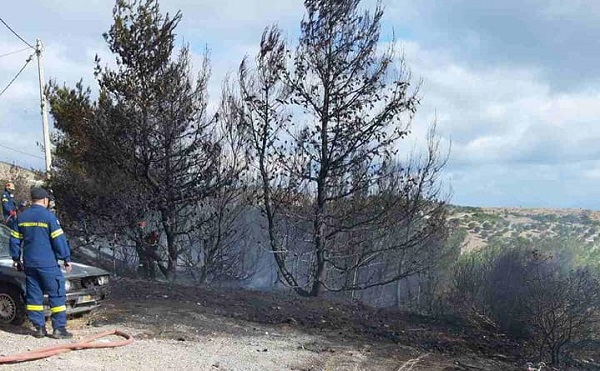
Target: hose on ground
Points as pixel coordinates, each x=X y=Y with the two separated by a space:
x=87 y=343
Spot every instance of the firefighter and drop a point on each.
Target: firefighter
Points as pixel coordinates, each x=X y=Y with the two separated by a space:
x=146 y=248
x=9 y=208
x=151 y=244
x=43 y=243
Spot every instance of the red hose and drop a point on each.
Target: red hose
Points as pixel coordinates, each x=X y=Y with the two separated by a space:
x=86 y=343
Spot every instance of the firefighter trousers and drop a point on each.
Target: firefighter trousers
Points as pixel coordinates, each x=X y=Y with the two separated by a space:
x=40 y=281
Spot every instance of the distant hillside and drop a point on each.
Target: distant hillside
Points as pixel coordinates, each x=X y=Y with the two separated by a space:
x=483 y=224
x=9 y=171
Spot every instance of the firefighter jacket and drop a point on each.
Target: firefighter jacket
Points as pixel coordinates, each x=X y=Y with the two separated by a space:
x=8 y=204
x=39 y=233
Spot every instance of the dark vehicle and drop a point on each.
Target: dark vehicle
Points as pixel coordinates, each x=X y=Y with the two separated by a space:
x=86 y=287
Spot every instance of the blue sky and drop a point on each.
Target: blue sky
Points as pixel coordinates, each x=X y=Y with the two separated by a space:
x=514 y=85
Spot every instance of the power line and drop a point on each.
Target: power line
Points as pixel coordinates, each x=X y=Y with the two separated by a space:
x=17 y=75
x=21 y=152
x=14 y=52
x=16 y=34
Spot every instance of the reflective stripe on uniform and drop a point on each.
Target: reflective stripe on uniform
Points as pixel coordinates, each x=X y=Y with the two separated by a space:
x=33 y=224
x=35 y=307
x=62 y=308
x=56 y=233
x=16 y=234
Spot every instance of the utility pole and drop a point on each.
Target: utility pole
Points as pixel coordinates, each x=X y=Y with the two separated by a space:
x=38 y=52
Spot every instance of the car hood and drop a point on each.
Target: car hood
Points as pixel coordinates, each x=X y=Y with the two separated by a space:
x=77 y=270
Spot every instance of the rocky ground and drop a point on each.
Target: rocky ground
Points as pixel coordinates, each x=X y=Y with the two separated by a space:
x=190 y=328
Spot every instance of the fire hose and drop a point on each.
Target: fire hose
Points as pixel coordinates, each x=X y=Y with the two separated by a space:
x=87 y=343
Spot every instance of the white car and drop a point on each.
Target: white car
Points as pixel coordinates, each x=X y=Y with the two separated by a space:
x=86 y=287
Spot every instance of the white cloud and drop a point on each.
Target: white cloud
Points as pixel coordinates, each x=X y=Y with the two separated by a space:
x=558 y=9
x=501 y=114
x=593 y=173
x=516 y=138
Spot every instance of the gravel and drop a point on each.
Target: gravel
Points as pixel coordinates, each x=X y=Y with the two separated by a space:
x=178 y=327
x=212 y=353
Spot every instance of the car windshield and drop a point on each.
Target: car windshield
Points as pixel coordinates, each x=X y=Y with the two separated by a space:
x=4 y=237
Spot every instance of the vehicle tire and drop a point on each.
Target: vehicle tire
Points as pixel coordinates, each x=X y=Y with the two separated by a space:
x=12 y=306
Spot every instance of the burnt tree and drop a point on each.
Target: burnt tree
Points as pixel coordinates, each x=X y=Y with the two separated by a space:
x=149 y=136
x=325 y=123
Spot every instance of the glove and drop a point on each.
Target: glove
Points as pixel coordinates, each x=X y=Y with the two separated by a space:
x=12 y=213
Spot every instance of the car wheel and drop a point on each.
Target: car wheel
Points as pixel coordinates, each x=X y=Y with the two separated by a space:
x=12 y=307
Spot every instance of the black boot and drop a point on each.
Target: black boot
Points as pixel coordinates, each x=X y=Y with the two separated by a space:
x=40 y=332
x=61 y=333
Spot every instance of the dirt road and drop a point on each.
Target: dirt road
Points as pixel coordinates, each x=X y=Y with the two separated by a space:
x=183 y=328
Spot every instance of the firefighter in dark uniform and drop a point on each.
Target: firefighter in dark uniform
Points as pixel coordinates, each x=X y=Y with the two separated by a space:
x=9 y=208
x=43 y=243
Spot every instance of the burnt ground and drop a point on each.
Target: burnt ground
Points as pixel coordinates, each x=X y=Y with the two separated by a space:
x=384 y=339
